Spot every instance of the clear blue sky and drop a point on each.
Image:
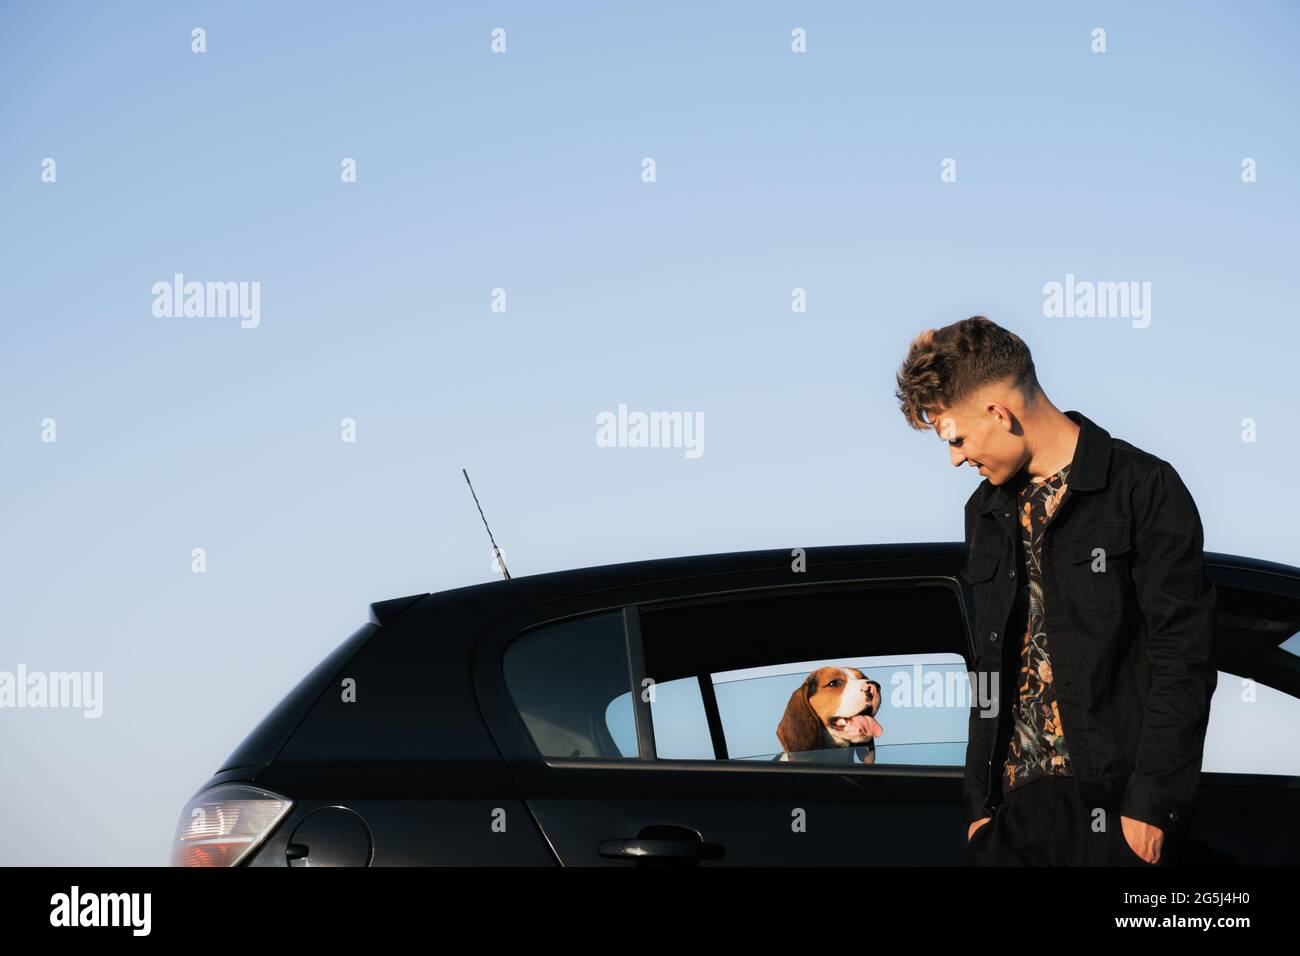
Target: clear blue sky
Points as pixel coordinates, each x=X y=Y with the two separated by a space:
x=522 y=171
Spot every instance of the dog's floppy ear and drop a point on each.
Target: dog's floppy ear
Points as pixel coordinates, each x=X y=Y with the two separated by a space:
x=799 y=728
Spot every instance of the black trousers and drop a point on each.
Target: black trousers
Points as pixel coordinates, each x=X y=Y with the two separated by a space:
x=1046 y=823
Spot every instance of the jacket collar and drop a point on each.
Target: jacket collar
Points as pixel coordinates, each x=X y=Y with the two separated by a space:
x=1087 y=473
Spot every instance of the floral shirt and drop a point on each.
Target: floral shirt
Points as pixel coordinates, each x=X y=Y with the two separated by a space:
x=1037 y=745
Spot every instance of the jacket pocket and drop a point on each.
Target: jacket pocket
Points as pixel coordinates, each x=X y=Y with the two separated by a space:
x=981 y=566
x=1099 y=573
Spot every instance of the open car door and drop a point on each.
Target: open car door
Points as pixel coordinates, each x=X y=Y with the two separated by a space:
x=1247 y=809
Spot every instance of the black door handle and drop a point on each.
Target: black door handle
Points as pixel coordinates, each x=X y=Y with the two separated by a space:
x=662 y=845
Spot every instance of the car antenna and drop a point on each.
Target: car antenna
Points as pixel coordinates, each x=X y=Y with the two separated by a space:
x=495 y=550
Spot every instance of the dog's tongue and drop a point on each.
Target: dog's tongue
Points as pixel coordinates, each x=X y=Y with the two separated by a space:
x=865 y=724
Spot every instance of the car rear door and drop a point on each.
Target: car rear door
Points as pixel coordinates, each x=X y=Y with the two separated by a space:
x=683 y=771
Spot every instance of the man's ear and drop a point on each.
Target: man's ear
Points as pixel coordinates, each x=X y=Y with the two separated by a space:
x=800 y=729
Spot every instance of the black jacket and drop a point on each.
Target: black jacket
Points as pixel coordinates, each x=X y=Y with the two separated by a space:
x=1131 y=647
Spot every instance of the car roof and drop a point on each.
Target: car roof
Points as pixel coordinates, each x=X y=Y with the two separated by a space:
x=506 y=596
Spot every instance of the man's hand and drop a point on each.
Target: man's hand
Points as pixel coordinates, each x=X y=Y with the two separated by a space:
x=1143 y=839
x=976 y=825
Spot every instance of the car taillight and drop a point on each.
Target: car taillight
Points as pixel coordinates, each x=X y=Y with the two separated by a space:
x=221 y=825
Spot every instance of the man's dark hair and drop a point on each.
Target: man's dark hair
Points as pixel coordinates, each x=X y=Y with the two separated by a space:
x=944 y=367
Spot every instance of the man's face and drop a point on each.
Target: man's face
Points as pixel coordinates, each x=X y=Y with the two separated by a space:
x=977 y=437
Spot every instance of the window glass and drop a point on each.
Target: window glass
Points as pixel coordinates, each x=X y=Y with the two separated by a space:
x=755 y=649
x=1249 y=731
x=680 y=725
x=924 y=712
x=622 y=724
x=570 y=684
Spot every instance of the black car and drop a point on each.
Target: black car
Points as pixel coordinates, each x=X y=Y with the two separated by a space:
x=626 y=715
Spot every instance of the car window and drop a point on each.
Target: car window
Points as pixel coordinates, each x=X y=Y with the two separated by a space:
x=753 y=652
x=928 y=730
x=681 y=724
x=571 y=685
x=1257 y=632
x=1249 y=729
x=924 y=713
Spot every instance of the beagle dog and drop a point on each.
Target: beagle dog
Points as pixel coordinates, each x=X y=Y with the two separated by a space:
x=834 y=708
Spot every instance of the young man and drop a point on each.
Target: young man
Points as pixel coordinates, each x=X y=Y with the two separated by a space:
x=1093 y=615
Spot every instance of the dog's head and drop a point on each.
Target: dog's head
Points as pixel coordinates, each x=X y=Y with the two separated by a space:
x=839 y=703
